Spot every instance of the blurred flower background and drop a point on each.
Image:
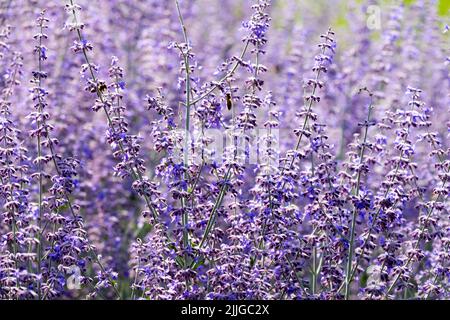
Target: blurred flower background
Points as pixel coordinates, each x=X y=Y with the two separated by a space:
x=347 y=201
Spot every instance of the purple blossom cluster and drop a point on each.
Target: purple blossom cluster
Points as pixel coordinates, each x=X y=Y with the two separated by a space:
x=168 y=150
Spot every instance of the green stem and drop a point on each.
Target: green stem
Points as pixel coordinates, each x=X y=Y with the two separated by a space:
x=39 y=149
x=224 y=188
x=305 y=122
x=355 y=210
x=13 y=222
x=185 y=215
x=226 y=76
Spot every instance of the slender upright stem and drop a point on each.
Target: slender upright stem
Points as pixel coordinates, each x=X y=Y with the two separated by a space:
x=305 y=122
x=39 y=151
x=66 y=195
x=133 y=290
x=13 y=218
x=185 y=215
x=355 y=210
x=314 y=271
x=225 y=77
x=135 y=173
x=224 y=188
x=416 y=246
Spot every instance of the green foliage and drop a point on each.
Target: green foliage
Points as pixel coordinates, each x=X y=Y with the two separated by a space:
x=444 y=7
x=144 y=231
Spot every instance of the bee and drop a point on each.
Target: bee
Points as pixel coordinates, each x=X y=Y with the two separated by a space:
x=229 y=101
x=102 y=86
x=99 y=87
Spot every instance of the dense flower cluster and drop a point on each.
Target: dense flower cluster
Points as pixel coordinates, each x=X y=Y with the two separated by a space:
x=154 y=155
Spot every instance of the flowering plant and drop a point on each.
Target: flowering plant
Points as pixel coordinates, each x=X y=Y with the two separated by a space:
x=164 y=150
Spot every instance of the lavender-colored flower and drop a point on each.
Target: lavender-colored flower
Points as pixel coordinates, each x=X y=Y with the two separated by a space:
x=168 y=150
